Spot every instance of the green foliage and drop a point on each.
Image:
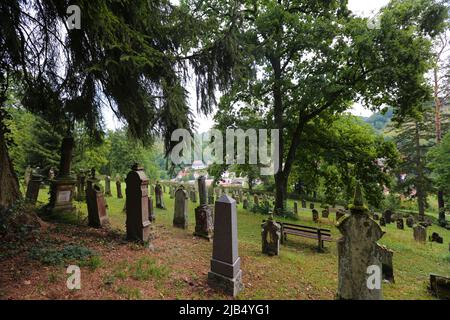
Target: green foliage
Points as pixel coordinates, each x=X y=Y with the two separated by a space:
x=439 y=157
x=69 y=253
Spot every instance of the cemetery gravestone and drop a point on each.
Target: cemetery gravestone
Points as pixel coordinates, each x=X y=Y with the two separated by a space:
x=382 y=222
x=225 y=271
x=410 y=221
x=357 y=250
x=158 y=196
x=339 y=214
x=440 y=286
x=387 y=215
x=34 y=185
x=180 y=216
x=435 y=237
x=256 y=200
x=27 y=175
x=376 y=216
x=271 y=235
x=303 y=204
x=385 y=256
x=119 y=188
x=311 y=205
x=245 y=203
x=400 y=224
x=62 y=188
x=151 y=212
x=108 y=186
x=325 y=213
x=137 y=223
x=203 y=213
x=295 y=208
x=420 y=233
x=315 y=215
x=96 y=205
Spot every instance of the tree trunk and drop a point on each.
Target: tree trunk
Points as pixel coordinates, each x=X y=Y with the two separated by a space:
x=9 y=188
x=420 y=192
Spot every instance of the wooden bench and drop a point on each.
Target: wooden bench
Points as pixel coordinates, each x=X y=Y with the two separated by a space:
x=319 y=234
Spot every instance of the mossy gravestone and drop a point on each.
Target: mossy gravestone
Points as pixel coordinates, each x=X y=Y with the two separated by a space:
x=357 y=254
x=271 y=235
x=203 y=213
x=225 y=274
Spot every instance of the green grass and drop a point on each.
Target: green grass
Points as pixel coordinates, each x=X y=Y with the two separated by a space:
x=299 y=270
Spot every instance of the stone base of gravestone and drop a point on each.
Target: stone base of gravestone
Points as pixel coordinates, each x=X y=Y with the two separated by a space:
x=230 y=286
x=62 y=191
x=203 y=222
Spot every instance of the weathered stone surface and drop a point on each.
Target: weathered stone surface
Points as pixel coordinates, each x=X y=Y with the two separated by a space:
x=119 y=188
x=311 y=205
x=225 y=271
x=34 y=185
x=137 y=224
x=420 y=233
x=376 y=216
x=315 y=215
x=303 y=204
x=108 y=186
x=81 y=185
x=180 y=216
x=159 y=196
x=325 y=213
x=410 y=221
x=382 y=222
x=400 y=224
x=271 y=236
x=203 y=214
x=295 y=208
x=151 y=212
x=385 y=256
x=96 y=205
x=357 y=250
x=435 y=237
x=440 y=286
x=387 y=215
x=245 y=203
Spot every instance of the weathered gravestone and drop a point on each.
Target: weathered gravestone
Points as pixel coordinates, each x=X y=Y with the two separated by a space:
x=376 y=216
x=387 y=215
x=311 y=205
x=225 y=273
x=203 y=214
x=256 y=200
x=108 y=186
x=303 y=204
x=62 y=188
x=138 y=224
x=119 y=188
x=81 y=185
x=194 y=196
x=159 y=196
x=385 y=256
x=410 y=221
x=440 y=286
x=96 y=205
x=400 y=224
x=51 y=173
x=315 y=215
x=151 y=212
x=358 y=253
x=271 y=235
x=295 y=208
x=325 y=213
x=172 y=192
x=435 y=237
x=245 y=203
x=382 y=222
x=180 y=215
x=34 y=185
x=420 y=233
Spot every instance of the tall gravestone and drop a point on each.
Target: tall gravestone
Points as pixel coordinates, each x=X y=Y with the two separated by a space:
x=108 y=186
x=271 y=236
x=225 y=274
x=357 y=253
x=62 y=188
x=81 y=185
x=180 y=216
x=203 y=214
x=295 y=208
x=138 y=224
x=96 y=205
x=159 y=196
x=34 y=185
x=119 y=188
x=420 y=233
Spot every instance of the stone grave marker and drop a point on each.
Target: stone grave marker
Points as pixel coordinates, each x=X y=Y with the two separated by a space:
x=203 y=214
x=137 y=223
x=295 y=208
x=311 y=205
x=315 y=215
x=387 y=215
x=119 y=188
x=108 y=186
x=420 y=233
x=180 y=216
x=358 y=251
x=159 y=196
x=34 y=185
x=225 y=273
x=96 y=205
x=410 y=221
x=435 y=237
x=400 y=224
x=271 y=235
x=303 y=204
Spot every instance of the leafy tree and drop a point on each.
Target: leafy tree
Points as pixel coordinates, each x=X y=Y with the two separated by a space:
x=439 y=157
x=129 y=55
x=306 y=58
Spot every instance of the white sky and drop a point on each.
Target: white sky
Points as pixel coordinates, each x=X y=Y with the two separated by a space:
x=360 y=7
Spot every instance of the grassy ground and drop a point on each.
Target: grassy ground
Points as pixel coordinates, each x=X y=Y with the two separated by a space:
x=177 y=267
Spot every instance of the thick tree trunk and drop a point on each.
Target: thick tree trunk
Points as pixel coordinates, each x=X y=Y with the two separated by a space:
x=9 y=186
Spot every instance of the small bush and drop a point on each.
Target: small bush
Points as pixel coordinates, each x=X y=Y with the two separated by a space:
x=53 y=256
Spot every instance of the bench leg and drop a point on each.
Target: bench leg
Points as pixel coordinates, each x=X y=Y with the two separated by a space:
x=320 y=247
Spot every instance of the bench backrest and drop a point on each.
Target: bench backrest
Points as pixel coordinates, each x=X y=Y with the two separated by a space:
x=308 y=229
